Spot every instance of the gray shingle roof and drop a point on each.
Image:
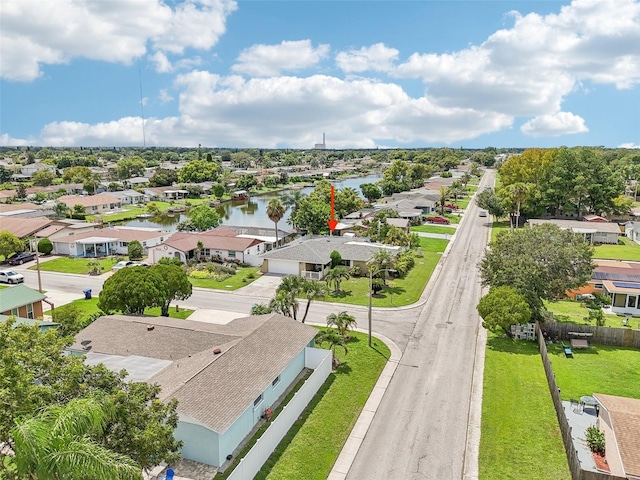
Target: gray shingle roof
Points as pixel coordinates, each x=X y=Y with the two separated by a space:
x=318 y=250
x=212 y=389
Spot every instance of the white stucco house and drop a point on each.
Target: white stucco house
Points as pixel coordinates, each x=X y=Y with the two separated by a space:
x=129 y=197
x=593 y=232
x=107 y=241
x=224 y=376
x=220 y=243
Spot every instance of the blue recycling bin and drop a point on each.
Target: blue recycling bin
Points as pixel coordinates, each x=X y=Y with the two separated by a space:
x=87 y=293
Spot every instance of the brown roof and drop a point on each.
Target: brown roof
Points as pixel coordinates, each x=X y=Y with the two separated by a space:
x=213 y=389
x=23 y=227
x=12 y=207
x=88 y=200
x=122 y=234
x=189 y=241
x=625 y=420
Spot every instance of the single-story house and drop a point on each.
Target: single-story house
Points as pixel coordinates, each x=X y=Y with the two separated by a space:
x=310 y=257
x=23 y=227
x=632 y=231
x=625 y=297
x=619 y=418
x=219 y=242
x=165 y=193
x=107 y=241
x=22 y=301
x=225 y=377
x=93 y=204
x=129 y=197
x=611 y=270
x=136 y=181
x=29 y=170
x=65 y=228
x=265 y=234
x=42 y=324
x=23 y=210
x=593 y=232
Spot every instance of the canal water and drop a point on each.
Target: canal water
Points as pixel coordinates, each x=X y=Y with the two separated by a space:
x=248 y=213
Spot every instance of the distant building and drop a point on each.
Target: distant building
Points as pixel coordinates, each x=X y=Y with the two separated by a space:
x=321 y=146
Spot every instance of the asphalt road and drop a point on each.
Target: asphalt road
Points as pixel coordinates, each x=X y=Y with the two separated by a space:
x=421 y=429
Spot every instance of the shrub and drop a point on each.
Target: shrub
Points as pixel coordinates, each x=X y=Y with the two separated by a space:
x=595 y=439
x=45 y=246
x=135 y=250
x=356 y=271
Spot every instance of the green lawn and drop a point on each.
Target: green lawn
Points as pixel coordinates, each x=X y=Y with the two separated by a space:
x=75 y=265
x=625 y=250
x=597 y=369
x=571 y=311
x=433 y=229
x=463 y=203
x=313 y=444
x=240 y=279
x=498 y=226
x=129 y=212
x=520 y=434
x=399 y=291
x=90 y=307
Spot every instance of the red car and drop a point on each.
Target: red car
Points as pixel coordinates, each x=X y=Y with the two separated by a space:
x=438 y=219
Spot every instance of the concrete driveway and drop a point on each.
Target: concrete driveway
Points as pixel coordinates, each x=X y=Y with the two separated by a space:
x=264 y=286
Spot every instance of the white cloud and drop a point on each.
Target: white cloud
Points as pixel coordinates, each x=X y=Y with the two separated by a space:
x=161 y=62
x=560 y=123
x=164 y=96
x=37 y=32
x=377 y=57
x=271 y=60
x=629 y=145
x=8 y=141
x=528 y=69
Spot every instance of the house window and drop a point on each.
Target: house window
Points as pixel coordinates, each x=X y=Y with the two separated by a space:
x=631 y=302
x=124 y=244
x=30 y=310
x=257 y=401
x=597 y=286
x=275 y=382
x=232 y=254
x=206 y=252
x=144 y=244
x=94 y=208
x=14 y=312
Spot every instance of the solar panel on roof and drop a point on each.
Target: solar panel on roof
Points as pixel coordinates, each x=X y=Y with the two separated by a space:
x=626 y=285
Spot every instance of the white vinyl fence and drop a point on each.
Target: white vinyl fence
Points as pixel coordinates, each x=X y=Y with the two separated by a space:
x=320 y=361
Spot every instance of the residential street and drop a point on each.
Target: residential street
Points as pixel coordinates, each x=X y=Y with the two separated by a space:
x=421 y=427
x=427 y=425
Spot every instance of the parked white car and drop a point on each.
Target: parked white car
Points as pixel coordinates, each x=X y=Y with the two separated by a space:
x=9 y=276
x=127 y=263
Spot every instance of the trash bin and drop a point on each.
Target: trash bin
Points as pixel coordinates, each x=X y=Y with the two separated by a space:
x=87 y=293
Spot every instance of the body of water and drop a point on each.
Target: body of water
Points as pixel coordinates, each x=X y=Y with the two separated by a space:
x=249 y=213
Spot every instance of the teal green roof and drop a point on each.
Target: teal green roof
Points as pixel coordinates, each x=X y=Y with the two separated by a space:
x=17 y=296
x=29 y=321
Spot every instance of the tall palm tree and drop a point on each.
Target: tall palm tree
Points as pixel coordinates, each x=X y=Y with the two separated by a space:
x=519 y=192
x=292 y=200
x=335 y=276
x=285 y=301
x=444 y=196
x=275 y=212
x=382 y=260
x=312 y=290
x=59 y=443
x=342 y=322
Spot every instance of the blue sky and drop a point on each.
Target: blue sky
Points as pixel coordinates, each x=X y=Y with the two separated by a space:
x=276 y=74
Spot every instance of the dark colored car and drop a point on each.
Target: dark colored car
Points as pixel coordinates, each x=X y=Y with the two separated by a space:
x=438 y=219
x=22 y=258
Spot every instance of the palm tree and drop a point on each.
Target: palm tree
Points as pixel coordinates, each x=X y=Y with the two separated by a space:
x=292 y=200
x=519 y=192
x=334 y=340
x=312 y=290
x=335 y=276
x=199 y=248
x=275 y=212
x=285 y=301
x=342 y=322
x=444 y=196
x=382 y=260
x=60 y=443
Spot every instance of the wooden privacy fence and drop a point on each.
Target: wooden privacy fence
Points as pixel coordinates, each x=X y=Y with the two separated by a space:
x=619 y=337
x=577 y=473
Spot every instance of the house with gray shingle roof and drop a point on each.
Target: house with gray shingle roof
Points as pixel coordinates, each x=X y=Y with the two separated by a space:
x=310 y=257
x=223 y=376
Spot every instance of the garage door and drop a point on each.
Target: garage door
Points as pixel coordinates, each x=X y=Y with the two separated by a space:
x=284 y=267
